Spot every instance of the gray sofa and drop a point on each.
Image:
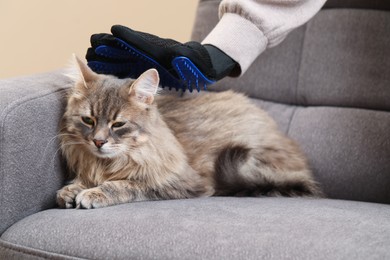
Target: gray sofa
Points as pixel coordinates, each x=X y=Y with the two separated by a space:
x=327 y=86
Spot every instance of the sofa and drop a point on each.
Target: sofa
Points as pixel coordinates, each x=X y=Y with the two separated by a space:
x=327 y=86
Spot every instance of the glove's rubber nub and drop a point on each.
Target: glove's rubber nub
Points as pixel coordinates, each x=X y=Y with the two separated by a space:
x=111 y=52
x=189 y=76
x=138 y=64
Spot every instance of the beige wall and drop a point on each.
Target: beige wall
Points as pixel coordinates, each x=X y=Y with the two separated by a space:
x=41 y=35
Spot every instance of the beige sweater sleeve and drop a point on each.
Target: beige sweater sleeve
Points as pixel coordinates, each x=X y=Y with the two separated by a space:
x=248 y=27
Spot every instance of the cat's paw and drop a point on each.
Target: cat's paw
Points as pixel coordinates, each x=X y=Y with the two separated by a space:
x=91 y=199
x=66 y=196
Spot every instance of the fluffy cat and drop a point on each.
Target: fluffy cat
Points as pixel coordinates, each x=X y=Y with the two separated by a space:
x=124 y=144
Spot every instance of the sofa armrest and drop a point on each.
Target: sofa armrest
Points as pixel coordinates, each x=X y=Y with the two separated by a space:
x=30 y=166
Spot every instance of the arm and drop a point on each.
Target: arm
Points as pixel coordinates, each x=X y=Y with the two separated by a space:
x=247 y=28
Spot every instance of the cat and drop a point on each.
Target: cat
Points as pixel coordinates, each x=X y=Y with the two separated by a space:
x=124 y=143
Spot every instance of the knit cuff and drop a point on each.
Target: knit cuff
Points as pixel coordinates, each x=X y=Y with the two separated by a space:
x=239 y=38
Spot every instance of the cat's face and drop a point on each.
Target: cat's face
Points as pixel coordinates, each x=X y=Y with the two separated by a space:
x=109 y=117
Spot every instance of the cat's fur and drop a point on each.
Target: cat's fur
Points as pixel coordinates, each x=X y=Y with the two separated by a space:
x=170 y=147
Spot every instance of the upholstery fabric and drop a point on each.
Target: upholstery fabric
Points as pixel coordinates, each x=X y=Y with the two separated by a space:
x=9 y=251
x=31 y=170
x=348 y=149
x=212 y=228
x=346 y=69
x=327 y=87
x=344 y=66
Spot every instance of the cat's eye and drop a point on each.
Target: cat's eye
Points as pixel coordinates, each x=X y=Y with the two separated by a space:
x=118 y=124
x=88 y=120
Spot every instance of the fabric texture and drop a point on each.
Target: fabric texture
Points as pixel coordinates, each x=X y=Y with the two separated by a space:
x=327 y=88
x=212 y=228
x=346 y=66
x=346 y=70
x=9 y=251
x=31 y=170
x=346 y=147
x=348 y=150
x=248 y=27
x=228 y=34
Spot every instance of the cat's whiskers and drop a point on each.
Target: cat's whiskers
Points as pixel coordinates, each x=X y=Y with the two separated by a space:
x=57 y=137
x=54 y=138
x=67 y=144
x=52 y=159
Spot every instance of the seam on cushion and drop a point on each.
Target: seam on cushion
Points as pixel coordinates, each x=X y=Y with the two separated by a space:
x=9 y=108
x=33 y=252
x=300 y=66
x=291 y=118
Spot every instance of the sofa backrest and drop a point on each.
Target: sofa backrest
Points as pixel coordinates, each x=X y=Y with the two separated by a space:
x=328 y=87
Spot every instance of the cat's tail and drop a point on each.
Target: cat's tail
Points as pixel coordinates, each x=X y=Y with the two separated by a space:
x=242 y=171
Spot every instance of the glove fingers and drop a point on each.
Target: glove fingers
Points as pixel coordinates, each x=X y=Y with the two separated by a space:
x=102 y=39
x=146 y=42
x=121 y=70
x=114 y=53
x=142 y=41
x=120 y=31
x=92 y=56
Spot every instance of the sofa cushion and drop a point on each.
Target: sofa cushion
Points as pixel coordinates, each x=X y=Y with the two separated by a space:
x=30 y=167
x=345 y=60
x=339 y=58
x=208 y=228
x=327 y=86
x=348 y=149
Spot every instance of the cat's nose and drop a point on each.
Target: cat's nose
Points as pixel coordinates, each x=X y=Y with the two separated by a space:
x=99 y=143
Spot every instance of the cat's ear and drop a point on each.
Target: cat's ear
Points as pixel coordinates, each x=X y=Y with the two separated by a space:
x=145 y=87
x=86 y=75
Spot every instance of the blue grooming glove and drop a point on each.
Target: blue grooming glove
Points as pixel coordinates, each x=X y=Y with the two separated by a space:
x=128 y=53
